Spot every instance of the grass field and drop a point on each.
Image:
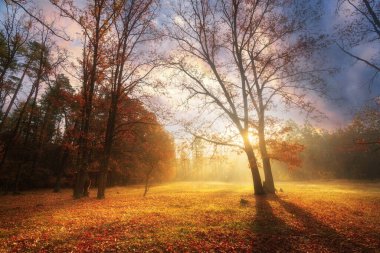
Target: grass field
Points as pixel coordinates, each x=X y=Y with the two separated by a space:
x=191 y=217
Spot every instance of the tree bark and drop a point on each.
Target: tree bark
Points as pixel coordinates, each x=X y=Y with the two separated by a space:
x=57 y=185
x=107 y=147
x=269 y=182
x=79 y=182
x=61 y=169
x=257 y=185
x=102 y=183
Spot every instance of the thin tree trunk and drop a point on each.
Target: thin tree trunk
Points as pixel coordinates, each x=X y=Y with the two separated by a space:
x=31 y=115
x=16 y=190
x=6 y=67
x=146 y=186
x=25 y=143
x=6 y=113
x=102 y=184
x=57 y=185
x=9 y=142
x=61 y=169
x=41 y=139
x=111 y=121
x=147 y=177
x=107 y=147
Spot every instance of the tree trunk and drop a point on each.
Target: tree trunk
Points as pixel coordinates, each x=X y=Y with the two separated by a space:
x=41 y=138
x=80 y=181
x=147 y=177
x=61 y=169
x=102 y=183
x=110 y=131
x=257 y=185
x=146 y=185
x=108 y=142
x=82 y=185
x=9 y=142
x=269 y=182
x=88 y=95
x=16 y=190
x=57 y=185
x=25 y=143
x=6 y=67
x=10 y=105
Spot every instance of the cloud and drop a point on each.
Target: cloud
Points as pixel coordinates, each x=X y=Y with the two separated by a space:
x=354 y=85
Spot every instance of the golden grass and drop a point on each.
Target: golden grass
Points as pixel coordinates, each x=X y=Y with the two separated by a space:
x=316 y=217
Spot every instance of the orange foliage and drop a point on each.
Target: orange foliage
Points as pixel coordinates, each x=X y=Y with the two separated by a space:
x=286 y=152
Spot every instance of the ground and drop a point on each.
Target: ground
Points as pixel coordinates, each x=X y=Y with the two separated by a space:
x=333 y=216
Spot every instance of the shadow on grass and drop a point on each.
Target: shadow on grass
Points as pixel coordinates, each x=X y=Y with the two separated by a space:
x=320 y=232
x=272 y=234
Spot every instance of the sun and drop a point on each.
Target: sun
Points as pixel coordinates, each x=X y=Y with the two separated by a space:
x=253 y=139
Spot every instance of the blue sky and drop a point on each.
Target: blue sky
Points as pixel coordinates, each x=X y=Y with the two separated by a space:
x=351 y=87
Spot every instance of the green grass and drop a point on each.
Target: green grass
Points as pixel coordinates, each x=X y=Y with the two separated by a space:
x=334 y=216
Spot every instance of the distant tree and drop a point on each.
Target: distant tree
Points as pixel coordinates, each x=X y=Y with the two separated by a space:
x=183 y=166
x=198 y=158
x=157 y=154
x=15 y=32
x=143 y=149
x=349 y=152
x=366 y=122
x=38 y=58
x=59 y=120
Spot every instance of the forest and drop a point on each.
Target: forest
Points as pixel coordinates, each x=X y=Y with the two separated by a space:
x=142 y=123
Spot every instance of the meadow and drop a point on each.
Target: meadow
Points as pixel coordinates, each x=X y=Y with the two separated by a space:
x=334 y=216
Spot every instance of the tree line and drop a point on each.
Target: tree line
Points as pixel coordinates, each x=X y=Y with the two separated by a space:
x=50 y=129
x=351 y=152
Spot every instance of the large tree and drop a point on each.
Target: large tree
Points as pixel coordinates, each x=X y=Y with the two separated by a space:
x=130 y=63
x=243 y=57
x=95 y=20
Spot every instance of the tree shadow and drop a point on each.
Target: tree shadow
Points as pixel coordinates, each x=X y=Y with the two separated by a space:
x=321 y=233
x=271 y=233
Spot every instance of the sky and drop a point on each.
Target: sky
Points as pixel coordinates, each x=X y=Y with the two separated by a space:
x=348 y=89
x=351 y=87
